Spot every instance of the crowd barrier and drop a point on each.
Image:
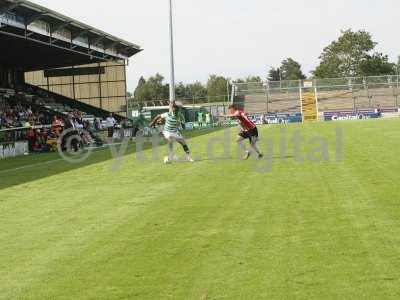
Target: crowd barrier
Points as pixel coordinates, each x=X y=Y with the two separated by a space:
x=13 y=141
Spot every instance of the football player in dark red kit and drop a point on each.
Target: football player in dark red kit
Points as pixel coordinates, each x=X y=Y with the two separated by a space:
x=249 y=130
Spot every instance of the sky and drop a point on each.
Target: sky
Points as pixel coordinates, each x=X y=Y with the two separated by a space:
x=230 y=37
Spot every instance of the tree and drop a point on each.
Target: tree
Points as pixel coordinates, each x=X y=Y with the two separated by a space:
x=350 y=56
x=252 y=78
x=154 y=89
x=249 y=79
x=397 y=66
x=187 y=92
x=217 y=88
x=151 y=89
x=157 y=89
x=197 y=91
x=291 y=70
x=141 y=92
x=181 y=91
x=377 y=64
x=274 y=74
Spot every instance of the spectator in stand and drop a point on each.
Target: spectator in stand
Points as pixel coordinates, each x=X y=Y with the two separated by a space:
x=26 y=124
x=23 y=110
x=14 y=114
x=379 y=111
x=2 y=121
x=71 y=135
x=30 y=136
x=39 y=141
x=56 y=126
x=97 y=124
x=86 y=134
x=78 y=124
x=110 y=124
x=126 y=125
x=52 y=141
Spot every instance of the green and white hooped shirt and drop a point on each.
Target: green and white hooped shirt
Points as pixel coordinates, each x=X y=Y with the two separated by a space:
x=171 y=122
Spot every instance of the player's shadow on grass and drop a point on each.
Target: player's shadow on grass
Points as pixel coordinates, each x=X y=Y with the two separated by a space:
x=20 y=170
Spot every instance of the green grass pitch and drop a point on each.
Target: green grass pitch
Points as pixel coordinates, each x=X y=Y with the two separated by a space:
x=208 y=230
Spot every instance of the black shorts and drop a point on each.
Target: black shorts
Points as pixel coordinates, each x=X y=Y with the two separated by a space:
x=251 y=134
x=110 y=132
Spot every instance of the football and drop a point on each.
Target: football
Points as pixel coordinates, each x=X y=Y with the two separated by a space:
x=167 y=160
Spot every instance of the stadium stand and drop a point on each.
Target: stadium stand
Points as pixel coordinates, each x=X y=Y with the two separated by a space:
x=16 y=109
x=36 y=39
x=43 y=54
x=36 y=120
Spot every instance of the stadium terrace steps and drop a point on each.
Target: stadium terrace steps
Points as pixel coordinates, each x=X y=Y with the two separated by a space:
x=330 y=98
x=282 y=103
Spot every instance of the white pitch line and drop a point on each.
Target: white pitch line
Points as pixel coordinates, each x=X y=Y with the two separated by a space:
x=50 y=161
x=30 y=166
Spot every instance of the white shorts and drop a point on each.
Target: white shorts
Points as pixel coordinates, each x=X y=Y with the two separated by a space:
x=176 y=136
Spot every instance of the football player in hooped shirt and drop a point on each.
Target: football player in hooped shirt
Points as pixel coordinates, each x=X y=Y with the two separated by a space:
x=171 y=131
x=249 y=130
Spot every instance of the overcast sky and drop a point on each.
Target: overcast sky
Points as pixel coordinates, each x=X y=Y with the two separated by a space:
x=230 y=37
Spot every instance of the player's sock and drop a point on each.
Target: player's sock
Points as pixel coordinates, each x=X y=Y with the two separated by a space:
x=170 y=151
x=254 y=147
x=186 y=149
x=241 y=148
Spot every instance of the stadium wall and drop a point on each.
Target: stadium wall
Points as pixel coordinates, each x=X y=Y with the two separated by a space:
x=105 y=89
